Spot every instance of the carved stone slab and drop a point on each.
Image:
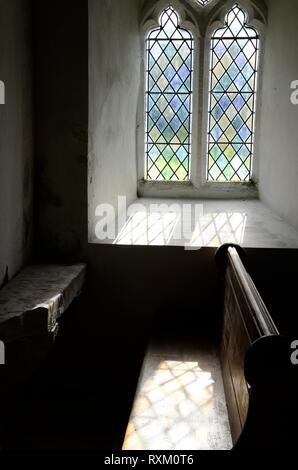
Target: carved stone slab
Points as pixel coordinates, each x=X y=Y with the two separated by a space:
x=32 y=302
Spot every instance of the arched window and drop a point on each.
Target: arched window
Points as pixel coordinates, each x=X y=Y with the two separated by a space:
x=169 y=88
x=232 y=100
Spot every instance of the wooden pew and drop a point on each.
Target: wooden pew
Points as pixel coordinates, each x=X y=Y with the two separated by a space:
x=259 y=379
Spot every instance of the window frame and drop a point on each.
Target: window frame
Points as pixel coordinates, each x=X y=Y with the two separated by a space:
x=152 y=22
x=215 y=24
x=208 y=19
x=189 y=44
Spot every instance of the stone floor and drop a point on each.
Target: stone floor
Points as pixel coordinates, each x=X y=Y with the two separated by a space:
x=180 y=402
x=198 y=223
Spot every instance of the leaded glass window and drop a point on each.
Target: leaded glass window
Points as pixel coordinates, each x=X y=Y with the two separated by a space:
x=169 y=77
x=233 y=87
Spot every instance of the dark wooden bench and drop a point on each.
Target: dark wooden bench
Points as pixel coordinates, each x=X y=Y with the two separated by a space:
x=259 y=379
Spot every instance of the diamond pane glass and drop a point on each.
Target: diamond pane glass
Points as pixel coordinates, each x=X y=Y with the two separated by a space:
x=169 y=77
x=232 y=101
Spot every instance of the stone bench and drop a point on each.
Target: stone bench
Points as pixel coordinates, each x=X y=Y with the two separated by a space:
x=30 y=307
x=33 y=301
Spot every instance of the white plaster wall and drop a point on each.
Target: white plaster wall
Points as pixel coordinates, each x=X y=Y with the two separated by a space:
x=15 y=136
x=114 y=80
x=278 y=174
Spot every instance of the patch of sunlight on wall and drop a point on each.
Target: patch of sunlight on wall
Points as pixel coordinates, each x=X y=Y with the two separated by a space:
x=216 y=229
x=170 y=228
x=148 y=228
